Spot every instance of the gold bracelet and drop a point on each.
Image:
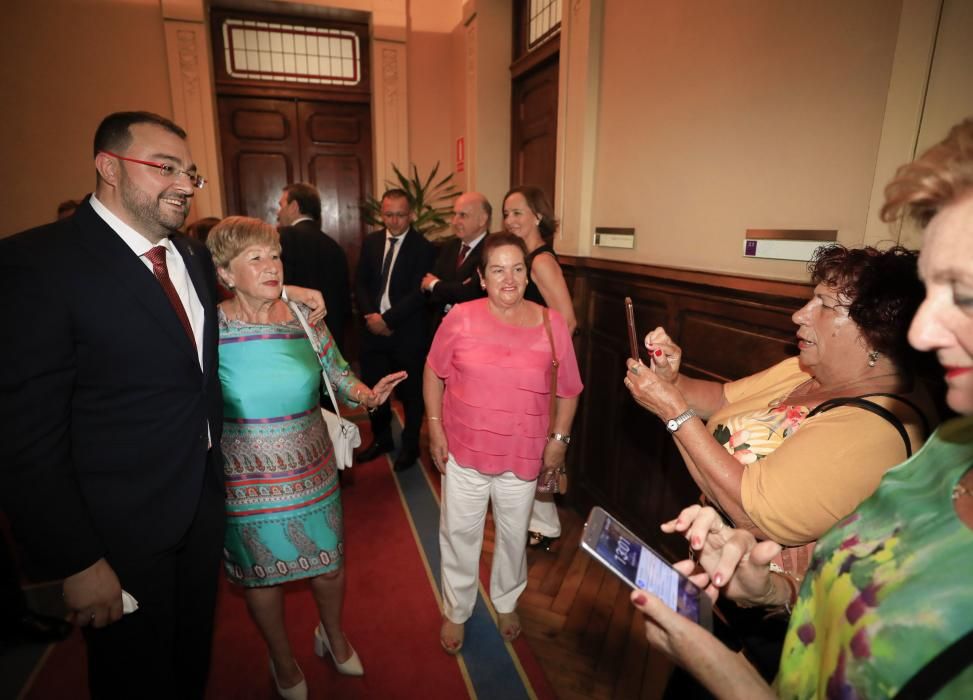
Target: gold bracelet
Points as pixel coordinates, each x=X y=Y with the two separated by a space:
x=434 y=418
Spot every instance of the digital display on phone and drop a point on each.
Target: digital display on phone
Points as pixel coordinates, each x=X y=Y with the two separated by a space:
x=646 y=570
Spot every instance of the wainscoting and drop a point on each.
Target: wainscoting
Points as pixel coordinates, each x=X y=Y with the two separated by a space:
x=624 y=459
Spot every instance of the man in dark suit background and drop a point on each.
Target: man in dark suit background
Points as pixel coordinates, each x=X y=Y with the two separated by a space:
x=396 y=334
x=311 y=257
x=454 y=278
x=111 y=412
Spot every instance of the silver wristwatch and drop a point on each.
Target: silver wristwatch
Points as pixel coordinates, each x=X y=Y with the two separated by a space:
x=673 y=425
x=566 y=439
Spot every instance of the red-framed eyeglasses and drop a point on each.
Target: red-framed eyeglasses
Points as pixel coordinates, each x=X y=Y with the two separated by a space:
x=167 y=170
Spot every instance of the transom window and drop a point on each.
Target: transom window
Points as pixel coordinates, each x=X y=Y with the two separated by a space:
x=544 y=19
x=292 y=53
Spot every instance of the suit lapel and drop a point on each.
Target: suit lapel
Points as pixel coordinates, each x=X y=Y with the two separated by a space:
x=399 y=270
x=135 y=280
x=197 y=274
x=468 y=267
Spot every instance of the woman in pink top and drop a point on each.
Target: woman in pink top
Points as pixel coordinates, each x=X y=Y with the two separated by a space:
x=487 y=391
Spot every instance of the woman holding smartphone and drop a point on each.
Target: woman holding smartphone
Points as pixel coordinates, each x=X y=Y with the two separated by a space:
x=528 y=215
x=887 y=599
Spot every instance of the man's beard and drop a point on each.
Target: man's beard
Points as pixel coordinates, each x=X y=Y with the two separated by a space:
x=150 y=213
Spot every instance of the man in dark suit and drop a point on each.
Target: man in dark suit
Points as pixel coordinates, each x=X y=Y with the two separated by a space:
x=396 y=334
x=111 y=413
x=454 y=278
x=311 y=257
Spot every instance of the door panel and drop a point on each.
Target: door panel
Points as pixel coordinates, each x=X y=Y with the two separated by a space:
x=534 y=127
x=260 y=153
x=261 y=177
x=336 y=150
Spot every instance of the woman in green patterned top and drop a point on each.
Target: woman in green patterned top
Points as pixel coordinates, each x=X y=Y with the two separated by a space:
x=888 y=590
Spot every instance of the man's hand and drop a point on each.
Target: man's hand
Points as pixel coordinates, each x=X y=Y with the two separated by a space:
x=311 y=298
x=428 y=282
x=93 y=596
x=376 y=325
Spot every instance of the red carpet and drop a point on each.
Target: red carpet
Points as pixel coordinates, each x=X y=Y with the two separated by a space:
x=391 y=617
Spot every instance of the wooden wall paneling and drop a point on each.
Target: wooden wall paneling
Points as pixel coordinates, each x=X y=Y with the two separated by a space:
x=724 y=341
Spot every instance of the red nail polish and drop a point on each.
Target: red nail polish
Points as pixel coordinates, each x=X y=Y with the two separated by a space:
x=640 y=599
x=658 y=353
x=718 y=580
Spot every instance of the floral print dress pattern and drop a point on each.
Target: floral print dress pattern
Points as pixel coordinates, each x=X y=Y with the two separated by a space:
x=752 y=436
x=889 y=586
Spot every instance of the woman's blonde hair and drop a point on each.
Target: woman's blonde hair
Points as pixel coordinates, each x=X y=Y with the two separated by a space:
x=234 y=234
x=937 y=178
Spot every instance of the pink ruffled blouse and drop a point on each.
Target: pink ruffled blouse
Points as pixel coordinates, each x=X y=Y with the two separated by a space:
x=498 y=387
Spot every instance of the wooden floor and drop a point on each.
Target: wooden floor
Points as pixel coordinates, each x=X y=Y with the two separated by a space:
x=580 y=624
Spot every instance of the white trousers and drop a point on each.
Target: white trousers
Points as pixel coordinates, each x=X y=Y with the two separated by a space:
x=543 y=516
x=466 y=494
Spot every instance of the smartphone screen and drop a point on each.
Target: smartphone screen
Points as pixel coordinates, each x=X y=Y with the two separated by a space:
x=641 y=567
x=633 y=344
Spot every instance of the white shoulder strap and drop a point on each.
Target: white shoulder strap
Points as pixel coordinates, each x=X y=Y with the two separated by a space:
x=313 y=338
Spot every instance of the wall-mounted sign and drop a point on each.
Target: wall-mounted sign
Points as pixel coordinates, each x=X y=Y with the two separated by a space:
x=785 y=244
x=611 y=237
x=460 y=154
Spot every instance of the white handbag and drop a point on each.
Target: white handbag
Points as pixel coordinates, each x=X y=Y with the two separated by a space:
x=344 y=434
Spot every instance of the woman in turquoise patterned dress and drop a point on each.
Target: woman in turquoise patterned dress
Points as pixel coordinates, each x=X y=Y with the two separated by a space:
x=283 y=500
x=887 y=600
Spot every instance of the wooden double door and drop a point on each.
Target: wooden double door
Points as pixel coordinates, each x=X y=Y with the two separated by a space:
x=269 y=143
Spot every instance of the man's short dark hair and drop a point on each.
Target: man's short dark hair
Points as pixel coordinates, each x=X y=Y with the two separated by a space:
x=67 y=208
x=114 y=133
x=397 y=193
x=307 y=198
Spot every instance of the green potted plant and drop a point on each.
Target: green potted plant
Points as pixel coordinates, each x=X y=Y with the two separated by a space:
x=432 y=202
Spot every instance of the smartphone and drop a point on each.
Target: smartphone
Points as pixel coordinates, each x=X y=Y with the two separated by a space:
x=633 y=344
x=642 y=567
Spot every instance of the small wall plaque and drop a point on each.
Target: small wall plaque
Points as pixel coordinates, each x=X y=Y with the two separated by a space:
x=610 y=237
x=785 y=244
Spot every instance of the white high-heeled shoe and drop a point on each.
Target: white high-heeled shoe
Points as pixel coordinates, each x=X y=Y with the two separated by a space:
x=295 y=692
x=352 y=666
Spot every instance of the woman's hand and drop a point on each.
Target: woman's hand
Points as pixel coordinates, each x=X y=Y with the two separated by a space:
x=665 y=355
x=653 y=393
x=723 y=672
x=553 y=459
x=438 y=446
x=379 y=393
x=733 y=559
x=311 y=298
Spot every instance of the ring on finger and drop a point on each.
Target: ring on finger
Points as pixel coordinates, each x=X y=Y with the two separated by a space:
x=634 y=369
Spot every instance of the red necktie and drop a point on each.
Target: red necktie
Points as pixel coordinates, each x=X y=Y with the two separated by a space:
x=157 y=256
x=463 y=251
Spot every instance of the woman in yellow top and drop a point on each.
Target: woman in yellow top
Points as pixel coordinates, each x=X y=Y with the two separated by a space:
x=758 y=449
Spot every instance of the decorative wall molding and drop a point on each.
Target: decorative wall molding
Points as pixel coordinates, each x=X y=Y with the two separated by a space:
x=191 y=88
x=389 y=110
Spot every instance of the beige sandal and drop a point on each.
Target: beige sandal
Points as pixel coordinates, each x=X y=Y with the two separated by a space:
x=509 y=624
x=451 y=636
